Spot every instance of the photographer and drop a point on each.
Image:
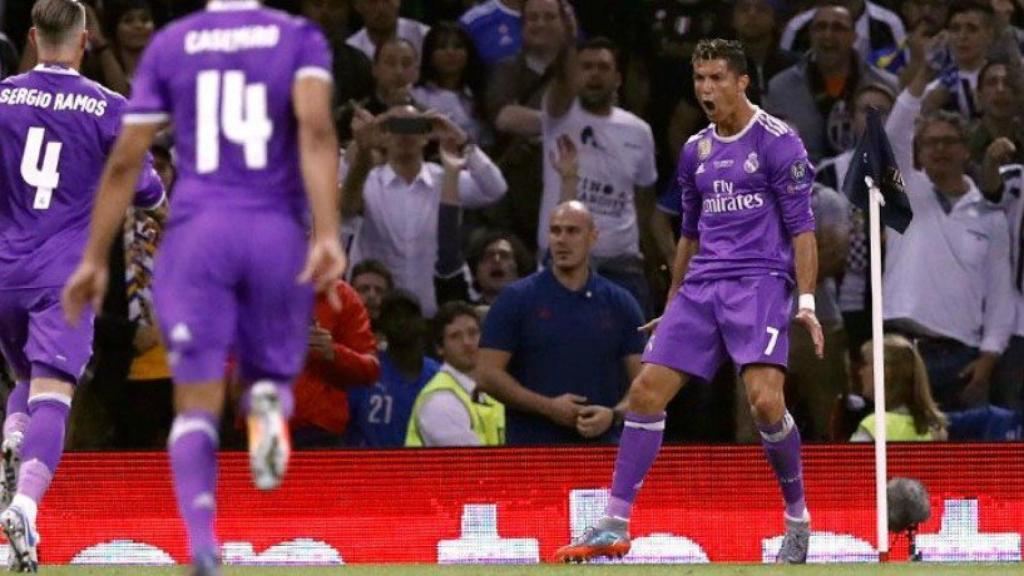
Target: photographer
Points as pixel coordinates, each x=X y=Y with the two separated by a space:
x=399 y=199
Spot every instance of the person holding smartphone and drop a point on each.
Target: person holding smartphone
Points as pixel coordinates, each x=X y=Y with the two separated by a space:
x=399 y=199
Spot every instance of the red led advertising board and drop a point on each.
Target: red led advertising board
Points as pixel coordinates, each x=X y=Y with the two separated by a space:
x=700 y=504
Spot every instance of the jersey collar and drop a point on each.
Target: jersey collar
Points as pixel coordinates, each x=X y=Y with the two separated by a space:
x=227 y=5
x=56 y=69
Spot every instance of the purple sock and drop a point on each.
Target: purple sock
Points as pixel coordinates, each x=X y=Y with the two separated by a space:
x=43 y=444
x=17 y=410
x=782 y=447
x=193 y=448
x=641 y=440
x=284 y=393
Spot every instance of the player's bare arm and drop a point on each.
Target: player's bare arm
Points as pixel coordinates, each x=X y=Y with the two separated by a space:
x=89 y=281
x=318 y=152
x=495 y=380
x=805 y=250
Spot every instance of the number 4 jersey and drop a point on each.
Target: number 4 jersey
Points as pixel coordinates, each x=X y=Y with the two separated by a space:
x=56 y=130
x=225 y=77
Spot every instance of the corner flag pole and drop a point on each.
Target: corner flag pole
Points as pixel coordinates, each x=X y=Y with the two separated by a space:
x=875 y=200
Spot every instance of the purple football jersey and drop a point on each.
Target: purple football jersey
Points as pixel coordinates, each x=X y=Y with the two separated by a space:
x=56 y=130
x=745 y=197
x=225 y=76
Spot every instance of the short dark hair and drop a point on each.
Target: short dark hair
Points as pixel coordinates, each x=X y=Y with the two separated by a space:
x=963 y=6
x=720 y=49
x=56 y=20
x=394 y=40
x=371 y=266
x=992 y=62
x=478 y=245
x=447 y=314
x=604 y=43
x=878 y=88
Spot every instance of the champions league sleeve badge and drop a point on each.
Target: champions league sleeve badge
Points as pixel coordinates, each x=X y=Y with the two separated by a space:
x=704 y=149
x=798 y=171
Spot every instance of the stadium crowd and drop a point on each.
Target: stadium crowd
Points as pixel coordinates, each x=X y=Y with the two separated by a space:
x=468 y=130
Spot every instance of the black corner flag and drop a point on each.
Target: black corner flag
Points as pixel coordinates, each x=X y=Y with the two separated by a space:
x=873 y=157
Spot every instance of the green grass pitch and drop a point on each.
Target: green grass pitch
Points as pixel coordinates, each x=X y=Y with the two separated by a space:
x=549 y=570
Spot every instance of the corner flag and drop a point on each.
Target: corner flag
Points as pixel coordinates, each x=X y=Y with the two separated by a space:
x=873 y=157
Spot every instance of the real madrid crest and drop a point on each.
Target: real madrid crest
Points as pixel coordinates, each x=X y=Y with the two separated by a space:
x=751 y=165
x=704 y=149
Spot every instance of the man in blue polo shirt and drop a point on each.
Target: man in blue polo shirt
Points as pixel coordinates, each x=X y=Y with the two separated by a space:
x=560 y=347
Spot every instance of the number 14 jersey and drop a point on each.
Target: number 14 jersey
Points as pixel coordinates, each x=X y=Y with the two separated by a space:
x=225 y=77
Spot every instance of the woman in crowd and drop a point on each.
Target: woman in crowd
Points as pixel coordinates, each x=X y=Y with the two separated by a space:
x=911 y=412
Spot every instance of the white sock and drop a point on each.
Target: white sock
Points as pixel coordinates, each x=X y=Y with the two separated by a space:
x=26 y=505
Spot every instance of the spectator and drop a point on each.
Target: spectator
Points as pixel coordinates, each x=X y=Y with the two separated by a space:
x=1008 y=191
x=380 y=413
x=396 y=68
x=353 y=78
x=560 y=346
x=495 y=259
x=999 y=97
x=812 y=383
x=143 y=410
x=8 y=57
x=816 y=94
x=854 y=283
x=399 y=200
x=451 y=410
x=616 y=166
x=970 y=29
x=512 y=105
x=372 y=280
x=947 y=278
x=382 y=23
x=116 y=44
x=924 y=19
x=342 y=353
x=451 y=80
x=878 y=31
x=910 y=412
x=496 y=27
x=756 y=23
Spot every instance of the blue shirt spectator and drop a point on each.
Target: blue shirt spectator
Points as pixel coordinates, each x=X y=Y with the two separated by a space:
x=380 y=413
x=564 y=341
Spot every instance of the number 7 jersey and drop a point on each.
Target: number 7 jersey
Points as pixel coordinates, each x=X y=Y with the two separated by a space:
x=56 y=130
x=224 y=78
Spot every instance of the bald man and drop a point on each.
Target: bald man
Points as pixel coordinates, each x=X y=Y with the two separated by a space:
x=560 y=346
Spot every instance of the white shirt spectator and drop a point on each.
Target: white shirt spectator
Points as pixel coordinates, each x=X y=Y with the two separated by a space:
x=410 y=30
x=948 y=275
x=1013 y=202
x=874 y=14
x=443 y=419
x=399 y=224
x=457 y=107
x=616 y=154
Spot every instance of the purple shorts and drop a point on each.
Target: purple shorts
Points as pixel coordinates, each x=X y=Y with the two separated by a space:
x=226 y=283
x=746 y=318
x=36 y=340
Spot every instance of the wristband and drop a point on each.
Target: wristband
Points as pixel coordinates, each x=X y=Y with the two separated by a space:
x=806 y=302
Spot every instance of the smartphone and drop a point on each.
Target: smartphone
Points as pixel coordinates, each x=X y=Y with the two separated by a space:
x=409 y=125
